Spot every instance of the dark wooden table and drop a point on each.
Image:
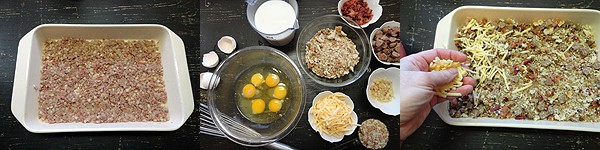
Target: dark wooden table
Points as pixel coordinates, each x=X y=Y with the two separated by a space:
x=219 y=18
x=418 y=22
x=19 y=17
x=199 y=24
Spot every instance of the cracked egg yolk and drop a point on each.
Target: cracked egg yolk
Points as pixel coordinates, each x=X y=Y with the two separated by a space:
x=248 y=91
x=258 y=106
x=272 y=80
x=279 y=92
x=257 y=79
x=275 y=105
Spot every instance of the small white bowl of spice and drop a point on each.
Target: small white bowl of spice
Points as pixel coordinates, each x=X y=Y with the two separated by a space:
x=383 y=90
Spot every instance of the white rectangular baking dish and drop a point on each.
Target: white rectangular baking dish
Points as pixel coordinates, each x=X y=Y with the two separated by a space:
x=444 y=38
x=24 y=103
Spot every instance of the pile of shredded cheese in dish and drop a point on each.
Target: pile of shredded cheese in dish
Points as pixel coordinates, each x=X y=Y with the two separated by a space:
x=445 y=64
x=482 y=49
x=332 y=115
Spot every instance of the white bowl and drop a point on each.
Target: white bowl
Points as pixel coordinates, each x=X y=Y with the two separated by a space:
x=24 y=105
x=386 y=24
x=392 y=74
x=314 y=126
x=377 y=10
x=446 y=32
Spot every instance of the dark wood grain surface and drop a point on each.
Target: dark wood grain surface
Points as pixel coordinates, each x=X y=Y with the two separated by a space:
x=18 y=17
x=219 y=18
x=418 y=22
x=199 y=24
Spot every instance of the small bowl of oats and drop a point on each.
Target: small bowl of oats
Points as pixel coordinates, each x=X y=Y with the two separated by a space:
x=382 y=90
x=333 y=53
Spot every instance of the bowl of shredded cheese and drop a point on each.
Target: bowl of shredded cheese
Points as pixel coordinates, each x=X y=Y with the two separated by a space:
x=383 y=90
x=332 y=115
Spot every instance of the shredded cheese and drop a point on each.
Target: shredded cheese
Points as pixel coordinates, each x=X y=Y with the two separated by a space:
x=502 y=74
x=332 y=115
x=484 y=48
x=439 y=65
x=523 y=88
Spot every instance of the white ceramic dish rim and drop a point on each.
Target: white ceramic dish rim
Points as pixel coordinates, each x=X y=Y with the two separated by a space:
x=311 y=121
x=392 y=107
x=386 y=24
x=374 y=5
x=180 y=97
x=444 y=33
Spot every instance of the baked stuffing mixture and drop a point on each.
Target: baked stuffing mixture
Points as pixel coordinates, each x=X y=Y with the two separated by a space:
x=540 y=70
x=101 y=81
x=331 y=54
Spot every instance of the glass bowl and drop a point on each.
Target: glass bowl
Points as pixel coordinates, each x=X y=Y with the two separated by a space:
x=222 y=96
x=358 y=36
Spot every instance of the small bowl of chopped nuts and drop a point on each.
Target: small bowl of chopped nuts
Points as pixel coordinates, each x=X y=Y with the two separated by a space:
x=386 y=44
x=331 y=52
x=382 y=90
x=362 y=12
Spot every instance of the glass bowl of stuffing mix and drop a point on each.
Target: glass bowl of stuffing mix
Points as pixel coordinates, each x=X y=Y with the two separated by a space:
x=333 y=53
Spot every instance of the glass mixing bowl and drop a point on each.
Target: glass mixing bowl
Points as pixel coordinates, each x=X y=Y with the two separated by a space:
x=222 y=100
x=358 y=36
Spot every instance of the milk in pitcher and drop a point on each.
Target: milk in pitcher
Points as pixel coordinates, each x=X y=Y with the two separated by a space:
x=275 y=20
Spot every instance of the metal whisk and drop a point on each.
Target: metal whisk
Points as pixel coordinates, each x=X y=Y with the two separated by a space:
x=208 y=127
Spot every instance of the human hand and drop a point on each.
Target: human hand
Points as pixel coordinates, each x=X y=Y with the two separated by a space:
x=416 y=86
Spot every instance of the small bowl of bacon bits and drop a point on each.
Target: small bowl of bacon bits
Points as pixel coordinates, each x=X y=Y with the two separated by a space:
x=363 y=12
x=383 y=90
x=386 y=44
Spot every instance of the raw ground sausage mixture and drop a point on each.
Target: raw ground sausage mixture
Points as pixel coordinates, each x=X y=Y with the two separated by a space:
x=101 y=81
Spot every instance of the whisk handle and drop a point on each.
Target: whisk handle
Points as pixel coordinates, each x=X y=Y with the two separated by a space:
x=279 y=146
